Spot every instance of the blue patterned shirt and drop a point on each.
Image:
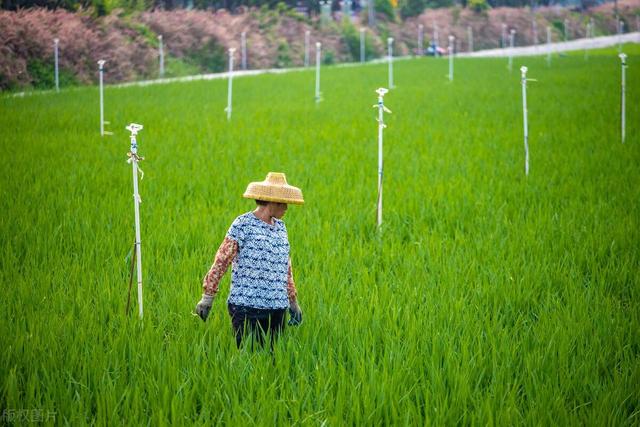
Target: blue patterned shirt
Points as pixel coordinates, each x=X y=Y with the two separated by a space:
x=260 y=270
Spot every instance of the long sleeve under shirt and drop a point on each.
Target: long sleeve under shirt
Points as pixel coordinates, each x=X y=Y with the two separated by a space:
x=261 y=275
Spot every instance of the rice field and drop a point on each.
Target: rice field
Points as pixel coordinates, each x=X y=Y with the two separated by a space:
x=486 y=298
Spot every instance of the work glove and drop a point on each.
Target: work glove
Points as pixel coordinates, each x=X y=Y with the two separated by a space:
x=204 y=306
x=295 y=314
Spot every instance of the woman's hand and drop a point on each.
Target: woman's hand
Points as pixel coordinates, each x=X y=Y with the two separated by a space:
x=295 y=314
x=204 y=306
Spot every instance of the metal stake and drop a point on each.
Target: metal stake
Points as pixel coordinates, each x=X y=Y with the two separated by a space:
x=390 y=59
x=161 y=51
x=230 y=88
x=381 y=110
x=623 y=59
x=134 y=159
x=55 y=55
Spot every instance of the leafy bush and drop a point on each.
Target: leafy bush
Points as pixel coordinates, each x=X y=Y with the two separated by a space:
x=478 y=6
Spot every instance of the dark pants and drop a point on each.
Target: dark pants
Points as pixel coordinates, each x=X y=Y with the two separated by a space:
x=256 y=323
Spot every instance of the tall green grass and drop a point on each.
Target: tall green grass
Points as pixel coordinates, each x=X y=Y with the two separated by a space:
x=488 y=297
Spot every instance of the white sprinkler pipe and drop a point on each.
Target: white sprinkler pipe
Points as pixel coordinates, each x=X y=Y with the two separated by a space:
x=548 y=46
x=566 y=29
x=620 y=31
x=435 y=36
x=390 y=60
x=101 y=71
x=451 y=41
x=306 y=48
x=535 y=32
x=56 y=42
x=230 y=88
x=512 y=36
x=161 y=53
x=504 y=36
x=381 y=110
x=362 y=45
x=134 y=159
x=420 y=39
x=243 y=46
x=525 y=124
x=318 y=50
x=623 y=58
x=470 y=36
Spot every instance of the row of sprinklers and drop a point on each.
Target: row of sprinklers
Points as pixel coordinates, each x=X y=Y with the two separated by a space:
x=134 y=129
x=507 y=40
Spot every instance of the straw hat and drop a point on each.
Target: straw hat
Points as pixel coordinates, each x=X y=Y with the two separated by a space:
x=274 y=189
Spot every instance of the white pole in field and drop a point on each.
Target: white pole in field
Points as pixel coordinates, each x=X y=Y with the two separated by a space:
x=306 y=48
x=381 y=110
x=134 y=159
x=470 y=37
x=56 y=42
x=243 y=46
x=318 y=49
x=101 y=71
x=230 y=87
x=512 y=36
x=435 y=36
x=620 y=31
x=548 y=46
x=587 y=35
x=566 y=29
x=362 y=41
x=535 y=32
x=637 y=22
x=504 y=35
x=623 y=58
x=161 y=52
x=451 y=41
x=420 y=39
x=390 y=59
x=523 y=70
x=593 y=28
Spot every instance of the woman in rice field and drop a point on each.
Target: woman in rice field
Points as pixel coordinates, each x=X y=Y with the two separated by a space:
x=257 y=245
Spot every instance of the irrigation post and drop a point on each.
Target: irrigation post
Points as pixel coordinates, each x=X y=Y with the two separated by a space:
x=512 y=36
x=504 y=35
x=451 y=41
x=390 y=59
x=435 y=37
x=523 y=71
x=566 y=29
x=470 y=36
x=134 y=159
x=593 y=28
x=362 y=51
x=620 y=31
x=623 y=59
x=318 y=95
x=243 y=45
x=587 y=35
x=56 y=42
x=381 y=110
x=548 y=46
x=306 y=48
x=100 y=72
x=230 y=88
x=161 y=52
x=420 y=38
x=535 y=32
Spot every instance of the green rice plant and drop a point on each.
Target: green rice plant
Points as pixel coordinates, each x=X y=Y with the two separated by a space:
x=488 y=297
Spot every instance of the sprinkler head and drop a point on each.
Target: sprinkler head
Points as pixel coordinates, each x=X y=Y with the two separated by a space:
x=134 y=128
x=523 y=70
x=101 y=63
x=382 y=91
x=623 y=58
